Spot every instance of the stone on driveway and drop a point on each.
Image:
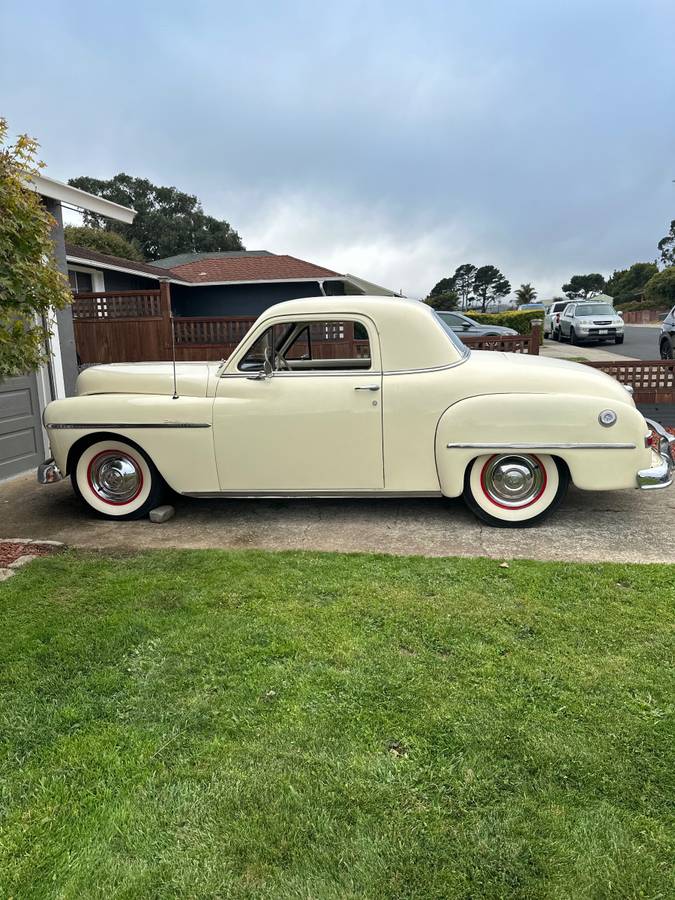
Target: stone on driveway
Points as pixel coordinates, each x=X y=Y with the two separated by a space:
x=618 y=526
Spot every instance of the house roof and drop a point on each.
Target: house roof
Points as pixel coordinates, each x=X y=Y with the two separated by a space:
x=75 y=252
x=210 y=268
x=169 y=261
x=239 y=266
x=71 y=196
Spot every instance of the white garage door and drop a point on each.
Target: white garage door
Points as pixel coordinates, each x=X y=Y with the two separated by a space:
x=20 y=429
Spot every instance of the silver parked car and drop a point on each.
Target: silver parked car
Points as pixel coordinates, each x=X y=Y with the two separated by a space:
x=463 y=325
x=588 y=320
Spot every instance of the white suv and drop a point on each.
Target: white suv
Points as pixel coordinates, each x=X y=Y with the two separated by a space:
x=591 y=321
x=552 y=318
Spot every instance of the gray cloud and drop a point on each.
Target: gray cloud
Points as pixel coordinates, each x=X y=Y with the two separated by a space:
x=391 y=140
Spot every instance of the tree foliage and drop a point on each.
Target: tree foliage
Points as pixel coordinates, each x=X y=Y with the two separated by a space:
x=167 y=222
x=460 y=284
x=489 y=285
x=102 y=241
x=582 y=287
x=30 y=283
x=667 y=246
x=626 y=285
x=660 y=289
x=525 y=294
x=445 y=300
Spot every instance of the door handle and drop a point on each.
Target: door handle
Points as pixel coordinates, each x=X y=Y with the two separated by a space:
x=367 y=387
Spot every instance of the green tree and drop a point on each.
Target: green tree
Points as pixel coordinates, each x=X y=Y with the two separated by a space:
x=30 y=283
x=102 y=241
x=167 y=220
x=667 y=246
x=445 y=300
x=461 y=284
x=525 y=294
x=660 y=289
x=582 y=287
x=626 y=285
x=490 y=285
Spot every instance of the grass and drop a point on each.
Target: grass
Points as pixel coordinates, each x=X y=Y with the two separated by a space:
x=212 y=724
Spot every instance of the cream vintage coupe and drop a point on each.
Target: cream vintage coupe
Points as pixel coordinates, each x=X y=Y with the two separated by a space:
x=353 y=397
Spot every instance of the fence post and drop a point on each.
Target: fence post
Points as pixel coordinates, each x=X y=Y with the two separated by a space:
x=535 y=337
x=165 y=307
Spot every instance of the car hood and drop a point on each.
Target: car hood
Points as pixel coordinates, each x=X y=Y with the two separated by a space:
x=522 y=373
x=146 y=378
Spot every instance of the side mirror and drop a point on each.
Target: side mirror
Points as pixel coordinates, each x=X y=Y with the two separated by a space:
x=620 y=313
x=465 y=326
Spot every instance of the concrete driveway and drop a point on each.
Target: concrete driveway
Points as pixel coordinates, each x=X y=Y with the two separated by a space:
x=623 y=526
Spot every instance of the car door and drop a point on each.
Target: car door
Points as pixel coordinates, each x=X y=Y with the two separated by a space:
x=311 y=423
x=566 y=320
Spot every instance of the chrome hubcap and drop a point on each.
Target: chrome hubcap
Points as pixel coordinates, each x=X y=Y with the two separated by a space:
x=513 y=480
x=115 y=477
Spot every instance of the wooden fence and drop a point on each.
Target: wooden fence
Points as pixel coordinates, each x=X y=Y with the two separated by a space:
x=653 y=381
x=508 y=343
x=644 y=316
x=131 y=326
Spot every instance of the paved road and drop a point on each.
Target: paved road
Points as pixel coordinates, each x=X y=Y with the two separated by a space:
x=622 y=526
x=640 y=342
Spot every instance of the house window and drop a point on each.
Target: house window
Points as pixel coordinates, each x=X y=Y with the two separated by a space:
x=80 y=281
x=324 y=346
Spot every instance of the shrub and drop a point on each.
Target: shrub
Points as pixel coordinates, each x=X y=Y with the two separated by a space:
x=520 y=321
x=102 y=241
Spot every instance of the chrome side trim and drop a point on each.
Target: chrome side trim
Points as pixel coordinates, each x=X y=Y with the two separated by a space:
x=58 y=426
x=318 y=494
x=537 y=446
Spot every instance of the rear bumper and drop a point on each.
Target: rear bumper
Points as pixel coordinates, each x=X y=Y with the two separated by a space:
x=660 y=475
x=48 y=472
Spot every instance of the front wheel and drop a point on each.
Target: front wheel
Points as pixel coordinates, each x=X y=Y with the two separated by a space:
x=573 y=337
x=618 y=339
x=514 y=490
x=117 y=480
x=666 y=349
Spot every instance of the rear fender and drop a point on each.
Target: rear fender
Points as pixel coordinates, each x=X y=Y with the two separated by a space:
x=544 y=424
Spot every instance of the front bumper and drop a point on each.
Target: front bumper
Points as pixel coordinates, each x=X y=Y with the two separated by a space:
x=48 y=472
x=661 y=474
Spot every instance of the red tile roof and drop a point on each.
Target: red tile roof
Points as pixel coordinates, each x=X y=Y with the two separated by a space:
x=249 y=268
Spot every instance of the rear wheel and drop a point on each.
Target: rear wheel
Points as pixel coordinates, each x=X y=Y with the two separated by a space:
x=117 y=480
x=514 y=490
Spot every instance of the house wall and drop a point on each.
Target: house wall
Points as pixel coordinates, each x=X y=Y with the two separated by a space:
x=241 y=299
x=123 y=281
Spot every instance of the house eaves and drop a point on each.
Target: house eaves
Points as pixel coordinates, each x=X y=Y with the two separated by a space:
x=71 y=196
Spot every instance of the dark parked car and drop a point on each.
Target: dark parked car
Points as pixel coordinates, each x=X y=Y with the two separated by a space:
x=667 y=336
x=463 y=325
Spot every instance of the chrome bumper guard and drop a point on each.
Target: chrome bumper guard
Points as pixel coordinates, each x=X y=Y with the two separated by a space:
x=48 y=472
x=661 y=475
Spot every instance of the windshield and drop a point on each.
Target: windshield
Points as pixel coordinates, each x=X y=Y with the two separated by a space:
x=462 y=348
x=595 y=309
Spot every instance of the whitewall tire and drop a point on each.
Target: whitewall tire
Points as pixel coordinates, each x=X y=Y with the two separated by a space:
x=514 y=490
x=117 y=480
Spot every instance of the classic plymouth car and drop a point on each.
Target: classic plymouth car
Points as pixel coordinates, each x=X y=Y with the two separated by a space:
x=353 y=397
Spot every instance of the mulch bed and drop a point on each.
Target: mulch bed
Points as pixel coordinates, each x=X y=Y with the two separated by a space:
x=10 y=551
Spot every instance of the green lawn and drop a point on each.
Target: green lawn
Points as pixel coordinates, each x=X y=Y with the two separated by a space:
x=211 y=724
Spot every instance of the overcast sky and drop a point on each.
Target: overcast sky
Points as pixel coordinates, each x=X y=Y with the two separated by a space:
x=391 y=140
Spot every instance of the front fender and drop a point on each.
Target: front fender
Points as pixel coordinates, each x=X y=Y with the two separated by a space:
x=561 y=425
x=177 y=435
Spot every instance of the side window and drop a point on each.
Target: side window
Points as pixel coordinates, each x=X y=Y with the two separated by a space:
x=323 y=346
x=453 y=320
